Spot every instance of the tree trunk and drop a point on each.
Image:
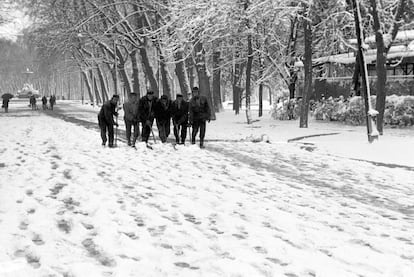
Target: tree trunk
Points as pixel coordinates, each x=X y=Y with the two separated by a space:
x=190 y=69
x=291 y=53
x=382 y=51
x=95 y=88
x=307 y=66
x=217 y=82
x=203 y=76
x=181 y=72
x=135 y=72
x=149 y=72
x=88 y=86
x=166 y=84
x=248 y=77
x=104 y=89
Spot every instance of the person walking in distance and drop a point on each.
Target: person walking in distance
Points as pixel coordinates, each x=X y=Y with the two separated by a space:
x=131 y=118
x=6 y=104
x=106 y=120
x=162 y=112
x=52 y=101
x=180 y=119
x=44 y=102
x=33 y=102
x=199 y=113
x=146 y=114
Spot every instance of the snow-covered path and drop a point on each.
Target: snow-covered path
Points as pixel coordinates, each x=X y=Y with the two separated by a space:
x=71 y=208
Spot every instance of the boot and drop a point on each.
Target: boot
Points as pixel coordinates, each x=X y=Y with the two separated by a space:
x=202 y=144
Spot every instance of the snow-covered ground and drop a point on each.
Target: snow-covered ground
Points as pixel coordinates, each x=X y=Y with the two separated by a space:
x=238 y=208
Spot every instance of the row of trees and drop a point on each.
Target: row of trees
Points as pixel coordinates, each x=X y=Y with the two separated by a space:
x=221 y=45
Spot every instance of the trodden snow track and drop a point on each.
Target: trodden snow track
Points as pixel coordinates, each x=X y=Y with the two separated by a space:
x=69 y=207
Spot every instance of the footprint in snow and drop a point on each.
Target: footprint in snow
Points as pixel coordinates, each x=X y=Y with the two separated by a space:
x=57 y=188
x=186 y=265
x=37 y=239
x=64 y=225
x=23 y=225
x=191 y=218
x=33 y=260
x=95 y=252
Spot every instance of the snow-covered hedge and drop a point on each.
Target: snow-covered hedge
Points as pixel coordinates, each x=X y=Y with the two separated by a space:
x=286 y=109
x=399 y=110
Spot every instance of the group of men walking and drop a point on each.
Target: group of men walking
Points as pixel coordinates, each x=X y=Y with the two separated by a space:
x=183 y=114
x=33 y=101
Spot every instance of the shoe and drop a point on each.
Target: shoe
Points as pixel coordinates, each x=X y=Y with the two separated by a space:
x=202 y=146
x=103 y=143
x=111 y=146
x=129 y=143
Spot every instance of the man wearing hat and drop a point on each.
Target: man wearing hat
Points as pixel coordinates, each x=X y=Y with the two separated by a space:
x=199 y=113
x=146 y=114
x=180 y=118
x=106 y=120
x=131 y=118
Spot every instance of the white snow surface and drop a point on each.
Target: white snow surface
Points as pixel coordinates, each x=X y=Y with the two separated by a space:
x=331 y=205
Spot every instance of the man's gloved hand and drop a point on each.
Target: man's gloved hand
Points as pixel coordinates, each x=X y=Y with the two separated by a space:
x=116 y=113
x=208 y=120
x=116 y=124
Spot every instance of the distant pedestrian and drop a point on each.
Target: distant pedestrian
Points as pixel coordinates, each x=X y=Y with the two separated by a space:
x=146 y=114
x=33 y=102
x=44 y=102
x=6 y=104
x=162 y=112
x=199 y=113
x=106 y=120
x=52 y=101
x=180 y=119
x=131 y=118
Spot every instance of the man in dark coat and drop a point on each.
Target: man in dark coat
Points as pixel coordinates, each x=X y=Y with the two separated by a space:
x=131 y=118
x=52 y=101
x=146 y=114
x=33 y=102
x=162 y=111
x=199 y=113
x=44 y=102
x=106 y=120
x=180 y=118
x=6 y=104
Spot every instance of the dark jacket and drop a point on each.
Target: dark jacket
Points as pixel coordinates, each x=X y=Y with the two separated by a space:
x=162 y=111
x=32 y=99
x=108 y=110
x=199 y=109
x=146 y=109
x=44 y=100
x=52 y=100
x=180 y=114
x=131 y=111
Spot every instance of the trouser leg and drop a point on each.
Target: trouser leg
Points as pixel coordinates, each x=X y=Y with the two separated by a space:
x=196 y=126
x=202 y=132
x=128 y=125
x=102 y=126
x=161 y=130
x=110 y=134
x=146 y=130
x=136 y=132
x=183 y=132
x=176 y=132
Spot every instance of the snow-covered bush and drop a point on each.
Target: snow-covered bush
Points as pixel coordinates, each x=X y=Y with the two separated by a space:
x=286 y=109
x=399 y=110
